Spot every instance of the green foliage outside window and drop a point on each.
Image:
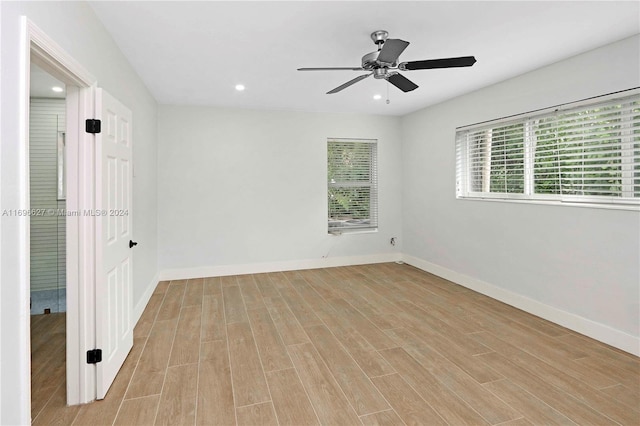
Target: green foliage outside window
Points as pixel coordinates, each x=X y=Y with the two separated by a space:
x=584 y=152
x=580 y=153
x=507 y=159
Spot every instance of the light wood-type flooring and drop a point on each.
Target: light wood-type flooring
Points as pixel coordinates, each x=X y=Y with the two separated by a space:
x=382 y=344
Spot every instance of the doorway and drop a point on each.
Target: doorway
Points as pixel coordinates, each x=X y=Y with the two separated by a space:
x=96 y=179
x=69 y=267
x=47 y=195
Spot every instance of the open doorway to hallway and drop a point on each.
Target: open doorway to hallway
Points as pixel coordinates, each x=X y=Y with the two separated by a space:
x=47 y=196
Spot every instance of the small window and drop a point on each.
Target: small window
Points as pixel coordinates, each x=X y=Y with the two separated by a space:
x=586 y=153
x=352 y=185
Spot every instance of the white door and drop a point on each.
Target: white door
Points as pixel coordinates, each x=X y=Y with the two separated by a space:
x=114 y=328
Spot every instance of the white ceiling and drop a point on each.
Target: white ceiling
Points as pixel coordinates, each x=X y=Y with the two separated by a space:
x=194 y=53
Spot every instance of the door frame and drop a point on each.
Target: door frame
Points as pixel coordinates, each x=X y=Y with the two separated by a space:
x=38 y=47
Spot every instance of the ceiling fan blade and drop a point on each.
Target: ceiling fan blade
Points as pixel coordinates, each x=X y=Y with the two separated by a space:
x=348 y=83
x=332 y=69
x=463 y=61
x=401 y=82
x=391 y=50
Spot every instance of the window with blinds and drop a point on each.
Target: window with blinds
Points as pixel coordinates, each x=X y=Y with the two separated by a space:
x=579 y=153
x=352 y=184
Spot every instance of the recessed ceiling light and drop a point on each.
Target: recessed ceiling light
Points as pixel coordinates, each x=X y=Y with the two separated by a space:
x=57 y=89
x=376 y=97
x=239 y=87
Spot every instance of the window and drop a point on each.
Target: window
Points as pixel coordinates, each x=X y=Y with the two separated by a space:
x=352 y=184
x=586 y=153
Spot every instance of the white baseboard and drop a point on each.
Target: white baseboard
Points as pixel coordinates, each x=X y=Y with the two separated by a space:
x=142 y=303
x=595 y=330
x=256 y=268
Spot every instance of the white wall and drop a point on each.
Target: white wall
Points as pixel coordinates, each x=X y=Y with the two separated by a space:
x=74 y=26
x=247 y=189
x=579 y=265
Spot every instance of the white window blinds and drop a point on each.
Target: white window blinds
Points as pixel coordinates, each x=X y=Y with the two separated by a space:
x=587 y=153
x=352 y=184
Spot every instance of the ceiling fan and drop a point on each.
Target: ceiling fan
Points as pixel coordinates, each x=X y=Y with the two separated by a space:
x=384 y=62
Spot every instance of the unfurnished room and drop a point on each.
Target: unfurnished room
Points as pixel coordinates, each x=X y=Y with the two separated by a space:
x=319 y=212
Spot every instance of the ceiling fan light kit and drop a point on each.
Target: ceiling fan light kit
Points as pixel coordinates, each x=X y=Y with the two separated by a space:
x=383 y=64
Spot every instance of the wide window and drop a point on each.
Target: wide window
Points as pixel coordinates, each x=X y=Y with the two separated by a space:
x=577 y=153
x=352 y=184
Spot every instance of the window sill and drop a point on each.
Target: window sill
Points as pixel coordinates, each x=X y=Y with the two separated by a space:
x=629 y=207
x=339 y=232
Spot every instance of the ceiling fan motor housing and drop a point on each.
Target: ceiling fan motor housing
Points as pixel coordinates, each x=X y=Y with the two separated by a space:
x=370 y=63
x=370 y=60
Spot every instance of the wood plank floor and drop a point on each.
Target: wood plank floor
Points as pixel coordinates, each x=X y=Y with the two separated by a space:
x=382 y=344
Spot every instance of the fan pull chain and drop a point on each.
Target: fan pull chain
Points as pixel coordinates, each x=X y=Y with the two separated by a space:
x=388 y=101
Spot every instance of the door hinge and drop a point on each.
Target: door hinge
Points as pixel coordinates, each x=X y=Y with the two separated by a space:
x=93 y=125
x=94 y=356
